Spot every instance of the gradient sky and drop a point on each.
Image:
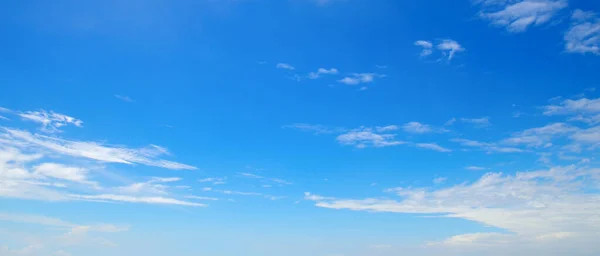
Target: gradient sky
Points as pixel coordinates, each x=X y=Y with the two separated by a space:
x=300 y=127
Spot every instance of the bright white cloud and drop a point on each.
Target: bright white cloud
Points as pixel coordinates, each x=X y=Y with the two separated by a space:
x=202 y=198
x=427 y=47
x=433 y=146
x=95 y=151
x=285 y=66
x=537 y=206
x=450 y=48
x=60 y=171
x=518 y=15
x=51 y=121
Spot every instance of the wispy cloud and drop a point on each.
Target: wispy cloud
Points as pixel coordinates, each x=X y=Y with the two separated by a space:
x=285 y=66
x=532 y=206
x=488 y=147
x=433 y=146
x=51 y=121
x=477 y=122
x=359 y=78
x=265 y=179
x=96 y=151
x=314 y=128
x=124 y=98
x=475 y=168
x=134 y=199
x=419 y=128
x=450 y=48
x=427 y=47
x=322 y=71
x=367 y=137
x=518 y=15
x=584 y=34
x=214 y=180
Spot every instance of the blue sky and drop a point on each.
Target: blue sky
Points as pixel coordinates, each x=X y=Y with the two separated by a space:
x=299 y=127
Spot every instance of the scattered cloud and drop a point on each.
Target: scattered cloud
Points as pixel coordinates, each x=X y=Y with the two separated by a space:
x=285 y=66
x=487 y=146
x=475 y=168
x=584 y=34
x=314 y=128
x=477 y=122
x=265 y=179
x=204 y=198
x=542 y=136
x=367 y=137
x=124 y=98
x=433 y=146
x=386 y=128
x=450 y=122
x=419 y=128
x=51 y=121
x=518 y=15
x=214 y=180
x=359 y=78
x=322 y=71
x=450 y=48
x=427 y=47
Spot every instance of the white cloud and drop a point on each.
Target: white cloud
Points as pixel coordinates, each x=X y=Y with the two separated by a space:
x=541 y=136
x=475 y=168
x=285 y=66
x=134 y=199
x=531 y=206
x=95 y=151
x=433 y=146
x=214 y=180
x=450 y=122
x=203 y=198
x=518 y=15
x=450 y=48
x=387 y=128
x=427 y=47
x=322 y=71
x=416 y=127
x=366 y=137
x=124 y=98
x=477 y=122
x=359 y=78
x=51 y=121
x=584 y=34
x=59 y=171
x=487 y=146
